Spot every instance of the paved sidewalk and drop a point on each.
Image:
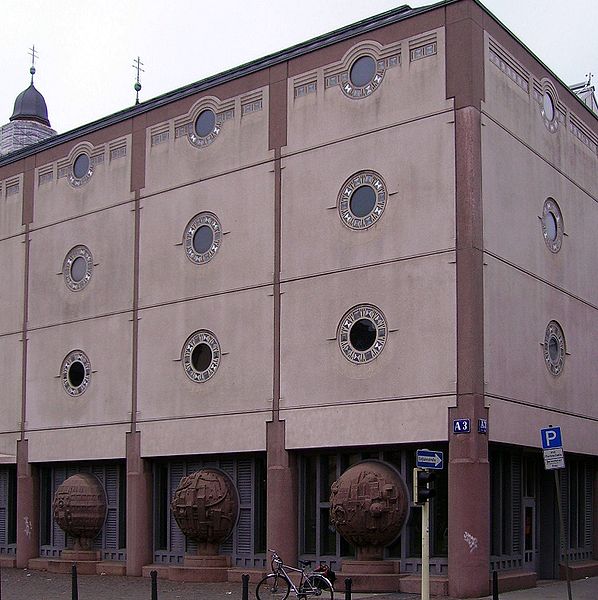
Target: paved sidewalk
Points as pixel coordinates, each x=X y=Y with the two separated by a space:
x=23 y=584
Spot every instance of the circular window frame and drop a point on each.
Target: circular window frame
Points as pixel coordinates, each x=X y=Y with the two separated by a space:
x=201 y=336
x=73 y=254
x=554 y=332
x=549 y=91
x=343 y=335
x=73 y=357
x=552 y=208
x=75 y=181
x=202 y=141
x=362 y=178
x=202 y=219
x=357 y=92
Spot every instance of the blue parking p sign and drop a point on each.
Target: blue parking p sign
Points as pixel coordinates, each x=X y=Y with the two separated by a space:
x=551 y=438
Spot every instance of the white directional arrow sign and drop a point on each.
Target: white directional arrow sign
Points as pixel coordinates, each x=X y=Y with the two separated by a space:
x=429 y=459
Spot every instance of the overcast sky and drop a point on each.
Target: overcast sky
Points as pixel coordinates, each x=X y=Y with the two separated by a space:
x=86 y=49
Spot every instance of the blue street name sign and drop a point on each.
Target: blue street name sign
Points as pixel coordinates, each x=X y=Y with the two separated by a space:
x=429 y=459
x=551 y=438
x=461 y=426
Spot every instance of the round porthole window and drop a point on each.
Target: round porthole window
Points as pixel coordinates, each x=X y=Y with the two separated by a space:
x=201 y=355
x=548 y=109
x=554 y=348
x=77 y=268
x=75 y=373
x=364 y=77
x=552 y=225
x=81 y=170
x=202 y=238
x=206 y=127
x=362 y=199
x=362 y=333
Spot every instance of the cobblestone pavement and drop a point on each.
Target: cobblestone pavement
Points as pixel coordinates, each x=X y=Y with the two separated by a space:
x=18 y=584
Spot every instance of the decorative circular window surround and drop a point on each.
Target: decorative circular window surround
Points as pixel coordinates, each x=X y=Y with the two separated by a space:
x=81 y=170
x=364 y=77
x=354 y=200
x=548 y=106
x=362 y=333
x=201 y=356
x=77 y=268
x=194 y=240
x=554 y=348
x=205 y=128
x=75 y=373
x=552 y=225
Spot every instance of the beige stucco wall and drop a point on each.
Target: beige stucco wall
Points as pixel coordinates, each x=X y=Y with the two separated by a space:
x=407 y=92
x=517 y=182
x=11 y=209
x=418 y=299
x=12 y=267
x=518 y=308
x=243 y=202
x=419 y=216
x=109 y=235
x=11 y=360
x=242 y=385
x=525 y=284
x=242 y=141
x=108 y=344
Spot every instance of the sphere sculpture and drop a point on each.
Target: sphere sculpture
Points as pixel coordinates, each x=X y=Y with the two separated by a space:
x=79 y=508
x=205 y=507
x=369 y=505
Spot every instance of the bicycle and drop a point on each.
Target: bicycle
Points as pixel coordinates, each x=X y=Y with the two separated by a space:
x=278 y=584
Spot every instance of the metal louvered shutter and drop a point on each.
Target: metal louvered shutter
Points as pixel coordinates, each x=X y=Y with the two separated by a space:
x=517 y=502
x=589 y=507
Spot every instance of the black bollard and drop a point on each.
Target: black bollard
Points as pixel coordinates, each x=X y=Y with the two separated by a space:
x=0 y=584
x=245 y=580
x=154 y=576
x=495 y=585
x=348 y=585
x=74 y=587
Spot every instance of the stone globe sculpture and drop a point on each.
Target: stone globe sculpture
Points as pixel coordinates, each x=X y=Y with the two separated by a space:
x=79 y=509
x=369 y=506
x=206 y=506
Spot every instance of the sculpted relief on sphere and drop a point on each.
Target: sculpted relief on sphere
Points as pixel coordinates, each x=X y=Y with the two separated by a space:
x=206 y=506
x=79 y=508
x=369 y=506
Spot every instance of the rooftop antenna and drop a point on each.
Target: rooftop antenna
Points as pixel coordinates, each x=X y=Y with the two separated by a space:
x=137 y=65
x=33 y=53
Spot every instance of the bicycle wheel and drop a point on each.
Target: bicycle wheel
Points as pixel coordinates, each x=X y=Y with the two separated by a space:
x=273 y=587
x=318 y=585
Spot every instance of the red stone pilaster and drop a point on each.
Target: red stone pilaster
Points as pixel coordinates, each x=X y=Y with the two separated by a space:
x=139 y=507
x=27 y=507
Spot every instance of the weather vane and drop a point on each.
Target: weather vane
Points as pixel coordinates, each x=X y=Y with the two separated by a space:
x=33 y=53
x=137 y=65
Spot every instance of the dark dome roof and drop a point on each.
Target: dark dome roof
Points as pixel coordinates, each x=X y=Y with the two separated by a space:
x=30 y=106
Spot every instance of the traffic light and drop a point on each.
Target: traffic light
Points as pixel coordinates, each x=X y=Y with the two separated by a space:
x=423 y=488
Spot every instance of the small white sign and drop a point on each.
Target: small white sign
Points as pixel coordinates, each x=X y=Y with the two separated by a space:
x=554 y=459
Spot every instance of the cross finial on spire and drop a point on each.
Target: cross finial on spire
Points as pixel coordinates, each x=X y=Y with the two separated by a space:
x=33 y=53
x=137 y=87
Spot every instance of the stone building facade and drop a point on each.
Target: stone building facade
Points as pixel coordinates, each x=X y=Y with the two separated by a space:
x=324 y=256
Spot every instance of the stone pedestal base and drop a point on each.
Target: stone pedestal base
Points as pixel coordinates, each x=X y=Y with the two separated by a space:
x=79 y=555
x=370 y=575
x=201 y=568
x=84 y=567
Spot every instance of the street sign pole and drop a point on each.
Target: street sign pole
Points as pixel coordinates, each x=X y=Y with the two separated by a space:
x=426 y=551
x=563 y=540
